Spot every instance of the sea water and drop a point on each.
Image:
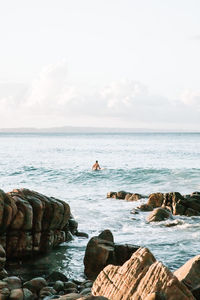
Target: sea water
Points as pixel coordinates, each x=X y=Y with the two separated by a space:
x=59 y=165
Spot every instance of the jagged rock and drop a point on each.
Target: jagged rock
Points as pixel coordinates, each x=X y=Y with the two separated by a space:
x=121 y=194
x=138 y=278
x=159 y=214
x=101 y=251
x=134 y=197
x=32 y=223
x=155 y=200
x=189 y=273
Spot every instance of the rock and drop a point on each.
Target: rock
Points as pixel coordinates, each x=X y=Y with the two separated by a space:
x=54 y=276
x=70 y=284
x=2 y=257
x=28 y=295
x=97 y=255
x=155 y=200
x=155 y=296
x=134 y=211
x=189 y=273
x=94 y=298
x=138 y=278
x=4 y=294
x=102 y=250
x=16 y=294
x=82 y=234
x=32 y=223
x=13 y=282
x=72 y=296
x=121 y=194
x=3 y=274
x=58 y=286
x=134 y=197
x=86 y=291
x=35 y=284
x=145 y=207
x=189 y=212
x=106 y=235
x=128 y=195
x=47 y=291
x=111 y=195
x=159 y=214
x=123 y=253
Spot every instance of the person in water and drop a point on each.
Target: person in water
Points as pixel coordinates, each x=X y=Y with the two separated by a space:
x=96 y=166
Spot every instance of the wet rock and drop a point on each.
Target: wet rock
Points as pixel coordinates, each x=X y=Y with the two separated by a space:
x=134 y=197
x=32 y=223
x=145 y=207
x=101 y=251
x=71 y=291
x=86 y=291
x=189 y=212
x=3 y=274
x=54 y=276
x=111 y=195
x=98 y=254
x=134 y=211
x=140 y=275
x=159 y=214
x=35 y=284
x=128 y=196
x=82 y=234
x=2 y=257
x=59 y=285
x=121 y=194
x=155 y=200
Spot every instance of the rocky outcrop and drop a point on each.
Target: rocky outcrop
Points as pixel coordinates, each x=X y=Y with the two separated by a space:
x=159 y=214
x=125 y=195
x=188 y=205
x=189 y=274
x=140 y=278
x=101 y=251
x=32 y=223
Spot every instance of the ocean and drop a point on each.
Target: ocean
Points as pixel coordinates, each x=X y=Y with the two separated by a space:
x=59 y=165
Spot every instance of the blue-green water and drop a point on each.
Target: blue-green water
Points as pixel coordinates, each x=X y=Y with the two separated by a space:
x=60 y=165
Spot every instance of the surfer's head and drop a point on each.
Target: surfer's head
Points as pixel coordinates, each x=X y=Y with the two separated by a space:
x=96 y=161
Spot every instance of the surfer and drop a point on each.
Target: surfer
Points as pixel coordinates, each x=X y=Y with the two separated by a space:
x=96 y=166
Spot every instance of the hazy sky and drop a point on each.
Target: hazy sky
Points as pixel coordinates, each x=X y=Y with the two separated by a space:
x=116 y=63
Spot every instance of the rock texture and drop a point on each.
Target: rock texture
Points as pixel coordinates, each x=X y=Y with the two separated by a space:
x=188 y=205
x=125 y=195
x=101 y=251
x=32 y=223
x=189 y=273
x=159 y=214
x=140 y=278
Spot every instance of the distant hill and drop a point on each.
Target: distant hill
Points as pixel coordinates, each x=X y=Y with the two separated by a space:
x=71 y=129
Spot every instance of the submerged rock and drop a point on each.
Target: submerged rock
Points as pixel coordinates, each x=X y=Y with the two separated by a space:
x=141 y=277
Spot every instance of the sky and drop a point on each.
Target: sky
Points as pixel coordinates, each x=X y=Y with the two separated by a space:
x=104 y=63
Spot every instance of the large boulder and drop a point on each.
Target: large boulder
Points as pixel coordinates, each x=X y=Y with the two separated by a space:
x=159 y=214
x=102 y=251
x=141 y=277
x=32 y=223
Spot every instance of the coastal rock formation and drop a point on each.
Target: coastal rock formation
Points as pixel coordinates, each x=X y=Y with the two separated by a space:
x=159 y=214
x=188 y=205
x=33 y=223
x=125 y=195
x=141 y=277
x=101 y=251
x=189 y=274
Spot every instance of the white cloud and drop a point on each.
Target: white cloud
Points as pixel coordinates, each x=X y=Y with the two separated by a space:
x=51 y=101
